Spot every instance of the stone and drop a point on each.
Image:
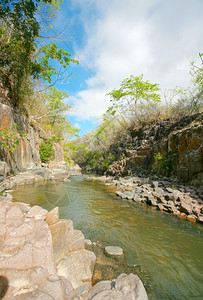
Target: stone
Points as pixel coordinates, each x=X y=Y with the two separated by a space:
x=37 y=212
x=61 y=237
x=125 y=287
x=26 y=255
x=77 y=241
x=88 y=244
x=191 y=218
x=200 y=219
x=182 y=215
x=155 y=184
x=173 y=196
x=160 y=206
x=151 y=201
x=185 y=208
x=119 y=193
x=52 y=217
x=114 y=252
x=8 y=197
x=77 y=267
x=2 y=189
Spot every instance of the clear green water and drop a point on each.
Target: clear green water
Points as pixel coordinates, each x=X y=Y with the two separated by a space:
x=169 y=250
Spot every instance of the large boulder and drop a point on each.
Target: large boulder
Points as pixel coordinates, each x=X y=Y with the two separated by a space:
x=78 y=267
x=33 y=242
x=26 y=255
x=125 y=287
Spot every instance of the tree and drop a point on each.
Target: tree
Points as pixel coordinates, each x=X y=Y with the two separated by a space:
x=21 y=58
x=49 y=109
x=134 y=91
x=197 y=75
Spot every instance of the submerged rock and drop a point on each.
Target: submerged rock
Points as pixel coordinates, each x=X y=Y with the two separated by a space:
x=114 y=252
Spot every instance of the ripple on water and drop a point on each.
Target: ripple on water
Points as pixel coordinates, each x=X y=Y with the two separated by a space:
x=168 y=249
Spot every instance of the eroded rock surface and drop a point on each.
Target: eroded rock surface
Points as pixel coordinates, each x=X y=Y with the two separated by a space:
x=125 y=287
x=31 y=259
x=43 y=257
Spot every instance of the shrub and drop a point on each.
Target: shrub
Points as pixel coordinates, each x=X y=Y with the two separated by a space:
x=9 y=138
x=46 y=151
x=162 y=165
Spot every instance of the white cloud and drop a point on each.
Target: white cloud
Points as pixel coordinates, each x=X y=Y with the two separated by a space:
x=155 y=37
x=90 y=103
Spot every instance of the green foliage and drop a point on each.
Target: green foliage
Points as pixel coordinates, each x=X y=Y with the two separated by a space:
x=49 y=110
x=9 y=139
x=46 y=151
x=162 y=165
x=45 y=67
x=133 y=91
x=95 y=160
x=21 y=59
x=197 y=72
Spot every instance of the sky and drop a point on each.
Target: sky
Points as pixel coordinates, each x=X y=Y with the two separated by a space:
x=115 y=39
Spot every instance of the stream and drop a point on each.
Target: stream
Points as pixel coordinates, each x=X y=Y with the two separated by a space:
x=168 y=249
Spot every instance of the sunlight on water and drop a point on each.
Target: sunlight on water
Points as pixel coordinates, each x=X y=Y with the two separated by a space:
x=170 y=250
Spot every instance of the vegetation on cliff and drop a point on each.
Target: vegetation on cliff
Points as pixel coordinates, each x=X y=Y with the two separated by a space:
x=29 y=67
x=135 y=109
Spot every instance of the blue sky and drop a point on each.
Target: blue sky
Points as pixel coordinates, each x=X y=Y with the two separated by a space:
x=117 y=38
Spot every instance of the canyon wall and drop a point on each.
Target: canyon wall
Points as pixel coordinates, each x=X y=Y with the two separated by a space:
x=29 y=136
x=179 y=144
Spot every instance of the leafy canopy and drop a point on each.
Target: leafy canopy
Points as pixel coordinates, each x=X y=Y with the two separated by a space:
x=133 y=90
x=21 y=58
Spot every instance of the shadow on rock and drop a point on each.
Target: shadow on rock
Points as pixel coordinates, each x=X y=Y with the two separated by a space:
x=3 y=286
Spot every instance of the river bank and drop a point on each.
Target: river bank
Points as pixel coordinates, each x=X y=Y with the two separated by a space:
x=186 y=202
x=168 y=249
x=43 y=257
x=55 y=172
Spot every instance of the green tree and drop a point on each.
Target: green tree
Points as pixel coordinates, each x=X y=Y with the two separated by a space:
x=134 y=91
x=49 y=109
x=197 y=74
x=21 y=58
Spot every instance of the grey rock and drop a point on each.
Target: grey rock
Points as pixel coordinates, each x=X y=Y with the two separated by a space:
x=151 y=201
x=155 y=184
x=114 y=252
x=160 y=206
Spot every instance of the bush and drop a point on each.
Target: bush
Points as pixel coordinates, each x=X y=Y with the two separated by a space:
x=162 y=165
x=46 y=151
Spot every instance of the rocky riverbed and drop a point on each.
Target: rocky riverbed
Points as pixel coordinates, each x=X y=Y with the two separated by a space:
x=33 y=174
x=180 y=200
x=43 y=257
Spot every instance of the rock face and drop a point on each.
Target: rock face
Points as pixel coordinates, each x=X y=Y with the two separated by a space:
x=181 y=141
x=27 y=151
x=43 y=257
x=30 y=137
x=125 y=287
x=32 y=263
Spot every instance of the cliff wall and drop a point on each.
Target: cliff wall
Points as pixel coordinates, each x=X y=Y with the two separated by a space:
x=29 y=136
x=179 y=145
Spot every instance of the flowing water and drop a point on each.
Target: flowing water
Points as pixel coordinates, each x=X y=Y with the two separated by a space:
x=169 y=250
